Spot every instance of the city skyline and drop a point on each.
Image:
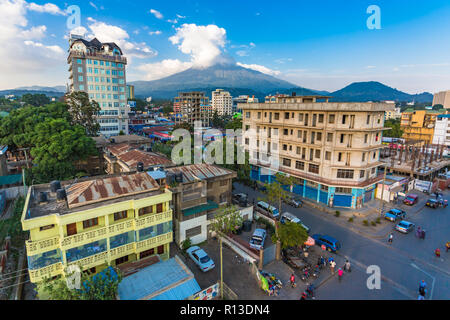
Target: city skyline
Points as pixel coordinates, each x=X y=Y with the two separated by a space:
x=320 y=46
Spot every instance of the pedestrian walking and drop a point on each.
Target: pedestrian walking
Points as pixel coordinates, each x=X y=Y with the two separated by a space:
x=437 y=252
x=340 y=273
x=332 y=265
x=391 y=237
x=447 y=246
x=422 y=285
x=347 y=266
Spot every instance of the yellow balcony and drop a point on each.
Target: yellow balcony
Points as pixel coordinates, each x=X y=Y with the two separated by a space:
x=153 y=219
x=154 y=242
x=46 y=272
x=35 y=247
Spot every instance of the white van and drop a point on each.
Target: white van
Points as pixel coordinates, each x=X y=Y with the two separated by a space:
x=287 y=216
x=265 y=208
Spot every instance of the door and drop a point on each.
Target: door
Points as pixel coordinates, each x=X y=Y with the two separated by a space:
x=71 y=229
x=159 y=208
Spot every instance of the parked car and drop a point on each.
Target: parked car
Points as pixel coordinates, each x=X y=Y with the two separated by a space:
x=257 y=239
x=432 y=203
x=330 y=243
x=394 y=214
x=201 y=258
x=405 y=226
x=287 y=216
x=411 y=199
x=294 y=201
x=240 y=199
x=267 y=209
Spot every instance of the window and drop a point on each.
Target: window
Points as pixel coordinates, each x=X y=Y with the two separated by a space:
x=147 y=253
x=373 y=170
x=331 y=118
x=342 y=138
x=247 y=141
x=327 y=155
x=339 y=156
x=90 y=223
x=50 y=226
x=193 y=231
x=80 y=69
x=306 y=119
x=320 y=118
x=80 y=78
x=300 y=165
x=368 y=119
x=145 y=210
x=313 y=168
x=286 y=162
x=344 y=118
x=363 y=157
x=319 y=136
x=285 y=132
x=374 y=155
x=284 y=147
x=345 y=174
x=121 y=260
x=81 y=87
x=286 y=115
x=300 y=117
x=361 y=174
x=247 y=115
x=277 y=116
x=343 y=190
x=329 y=137
x=160 y=249
x=366 y=136
x=259 y=115
x=299 y=150
x=223 y=183
x=318 y=154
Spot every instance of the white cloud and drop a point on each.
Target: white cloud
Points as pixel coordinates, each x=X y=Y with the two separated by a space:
x=174 y=21
x=260 y=68
x=110 y=33
x=180 y=16
x=157 y=32
x=156 y=13
x=242 y=53
x=46 y=8
x=203 y=43
x=24 y=57
x=163 y=68
x=370 y=67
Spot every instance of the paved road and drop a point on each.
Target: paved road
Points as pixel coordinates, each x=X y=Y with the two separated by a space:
x=403 y=264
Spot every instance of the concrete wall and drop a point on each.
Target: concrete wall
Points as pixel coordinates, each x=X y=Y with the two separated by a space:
x=15 y=192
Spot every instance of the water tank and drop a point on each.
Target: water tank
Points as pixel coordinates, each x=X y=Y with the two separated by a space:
x=140 y=166
x=170 y=178
x=55 y=185
x=43 y=197
x=61 y=194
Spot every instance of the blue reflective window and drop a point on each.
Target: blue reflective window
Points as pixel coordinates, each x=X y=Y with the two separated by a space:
x=121 y=239
x=44 y=259
x=87 y=250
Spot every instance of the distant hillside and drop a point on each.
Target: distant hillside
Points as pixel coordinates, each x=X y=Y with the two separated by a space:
x=22 y=92
x=376 y=91
x=46 y=89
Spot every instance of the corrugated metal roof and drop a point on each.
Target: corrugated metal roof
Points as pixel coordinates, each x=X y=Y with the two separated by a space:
x=167 y=280
x=195 y=172
x=102 y=189
x=131 y=156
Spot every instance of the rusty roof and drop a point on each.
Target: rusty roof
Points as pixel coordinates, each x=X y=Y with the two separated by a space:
x=195 y=172
x=131 y=156
x=88 y=192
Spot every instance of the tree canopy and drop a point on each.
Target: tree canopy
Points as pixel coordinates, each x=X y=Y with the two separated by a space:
x=35 y=100
x=83 y=111
x=396 y=131
x=292 y=235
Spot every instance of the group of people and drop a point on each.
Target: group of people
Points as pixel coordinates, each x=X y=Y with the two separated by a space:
x=440 y=200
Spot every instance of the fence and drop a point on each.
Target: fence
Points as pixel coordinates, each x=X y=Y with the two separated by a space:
x=229 y=294
x=15 y=192
x=269 y=254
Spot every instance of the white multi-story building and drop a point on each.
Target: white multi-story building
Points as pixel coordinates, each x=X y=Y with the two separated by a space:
x=222 y=102
x=442 y=130
x=99 y=70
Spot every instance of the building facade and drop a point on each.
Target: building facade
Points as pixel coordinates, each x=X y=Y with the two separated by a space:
x=111 y=220
x=222 y=102
x=442 y=98
x=418 y=125
x=130 y=92
x=192 y=106
x=442 y=130
x=331 y=149
x=99 y=69
x=393 y=114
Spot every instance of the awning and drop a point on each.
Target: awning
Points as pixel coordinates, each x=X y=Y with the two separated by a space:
x=201 y=208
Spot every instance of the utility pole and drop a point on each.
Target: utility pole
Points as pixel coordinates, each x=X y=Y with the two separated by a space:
x=382 y=190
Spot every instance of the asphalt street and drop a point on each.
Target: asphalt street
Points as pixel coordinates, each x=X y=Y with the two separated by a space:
x=402 y=264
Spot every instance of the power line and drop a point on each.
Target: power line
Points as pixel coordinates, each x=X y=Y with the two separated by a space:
x=14 y=285
x=5 y=274
x=22 y=274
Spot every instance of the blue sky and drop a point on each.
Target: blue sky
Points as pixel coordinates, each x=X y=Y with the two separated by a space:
x=323 y=44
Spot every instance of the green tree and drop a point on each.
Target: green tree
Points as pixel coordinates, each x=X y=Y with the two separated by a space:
x=227 y=220
x=395 y=131
x=100 y=287
x=234 y=124
x=35 y=100
x=83 y=111
x=56 y=146
x=292 y=235
x=167 y=109
x=274 y=194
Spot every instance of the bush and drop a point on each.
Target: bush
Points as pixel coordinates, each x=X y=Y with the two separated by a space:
x=365 y=222
x=378 y=220
x=351 y=219
x=186 y=244
x=338 y=213
x=373 y=223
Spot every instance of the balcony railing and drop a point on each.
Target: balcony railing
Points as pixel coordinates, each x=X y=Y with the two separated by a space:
x=35 y=247
x=46 y=272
